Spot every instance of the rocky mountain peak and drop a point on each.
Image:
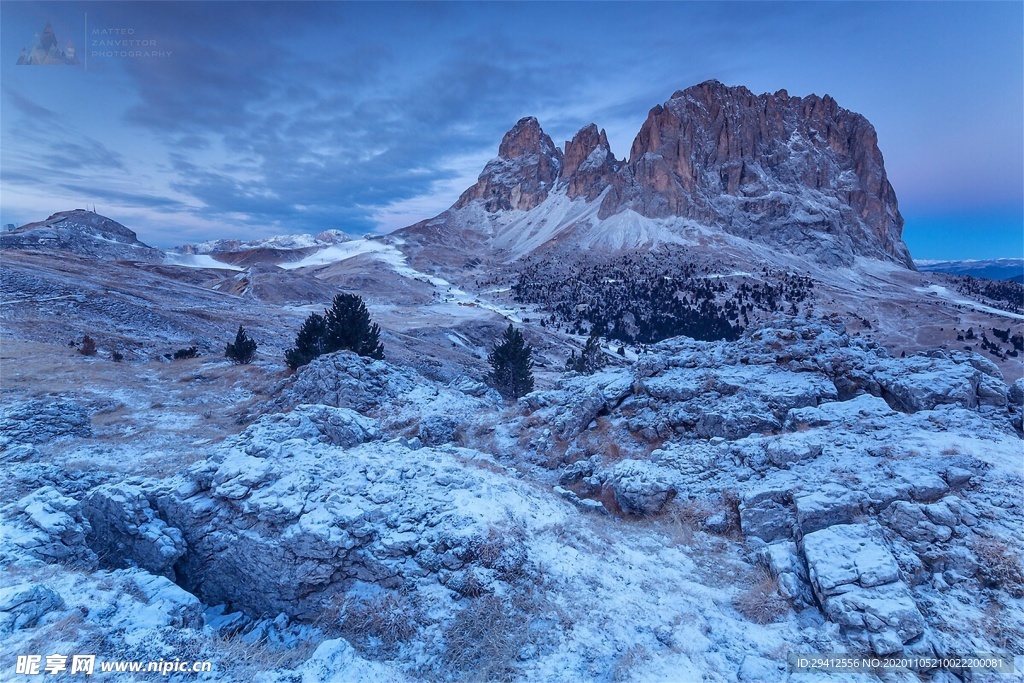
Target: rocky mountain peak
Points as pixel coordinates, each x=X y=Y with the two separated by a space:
x=523 y=173
x=709 y=90
x=800 y=173
x=589 y=167
x=582 y=146
x=524 y=139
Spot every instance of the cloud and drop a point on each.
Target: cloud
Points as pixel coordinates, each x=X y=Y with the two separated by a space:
x=461 y=172
x=272 y=117
x=27 y=107
x=340 y=129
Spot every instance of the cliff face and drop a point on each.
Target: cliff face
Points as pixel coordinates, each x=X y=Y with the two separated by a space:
x=523 y=173
x=769 y=167
x=800 y=174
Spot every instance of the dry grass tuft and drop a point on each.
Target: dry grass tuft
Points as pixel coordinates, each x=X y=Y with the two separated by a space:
x=634 y=656
x=484 y=640
x=376 y=624
x=760 y=601
x=685 y=518
x=238 y=659
x=999 y=566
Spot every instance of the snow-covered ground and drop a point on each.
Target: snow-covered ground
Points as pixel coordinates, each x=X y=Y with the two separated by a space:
x=688 y=517
x=940 y=290
x=198 y=261
x=694 y=511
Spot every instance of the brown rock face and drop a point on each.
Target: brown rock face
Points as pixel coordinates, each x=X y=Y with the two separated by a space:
x=589 y=165
x=523 y=174
x=770 y=167
x=797 y=174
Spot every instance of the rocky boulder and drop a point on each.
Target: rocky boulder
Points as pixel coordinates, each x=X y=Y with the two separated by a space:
x=21 y=606
x=641 y=488
x=48 y=526
x=857 y=581
x=125 y=531
x=347 y=380
x=286 y=530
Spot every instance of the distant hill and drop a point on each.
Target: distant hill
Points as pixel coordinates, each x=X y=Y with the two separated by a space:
x=81 y=232
x=993 y=269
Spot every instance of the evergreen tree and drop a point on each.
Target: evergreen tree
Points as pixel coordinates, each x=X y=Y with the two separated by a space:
x=243 y=350
x=511 y=365
x=349 y=328
x=590 y=360
x=309 y=342
x=346 y=326
x=572 y=362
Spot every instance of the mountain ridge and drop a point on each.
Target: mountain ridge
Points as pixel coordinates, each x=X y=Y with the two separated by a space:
x=798 y=174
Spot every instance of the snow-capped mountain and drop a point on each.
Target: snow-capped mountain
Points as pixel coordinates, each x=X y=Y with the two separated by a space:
x=303 y=241
x=798 y=175
x=268 y=250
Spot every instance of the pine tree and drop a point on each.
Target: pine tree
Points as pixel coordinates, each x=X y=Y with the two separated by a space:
x=309 y=342
x=346 y=326
x=590 y=360
x=243 y=350
x=511 y=365
x=349 y=328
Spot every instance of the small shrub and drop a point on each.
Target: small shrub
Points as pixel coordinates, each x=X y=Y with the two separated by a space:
x=243 y=349
x=999 y=566
x=484 y=640
x=88 y=347
x=383 y=621
x=760 y=602
x=190 y=352
x=117 y=356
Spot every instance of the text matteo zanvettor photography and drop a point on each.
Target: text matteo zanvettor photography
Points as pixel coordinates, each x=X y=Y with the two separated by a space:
x=651 y=342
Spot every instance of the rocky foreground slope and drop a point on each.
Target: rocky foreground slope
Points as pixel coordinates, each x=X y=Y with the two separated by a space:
x=698 y=515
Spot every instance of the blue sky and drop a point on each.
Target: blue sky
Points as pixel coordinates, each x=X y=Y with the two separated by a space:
x=265 y=118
